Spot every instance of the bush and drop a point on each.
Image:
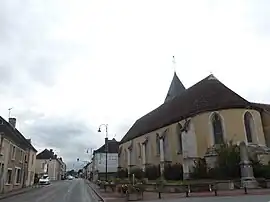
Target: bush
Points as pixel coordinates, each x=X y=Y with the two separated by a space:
x=138 y=173
x=122 y=173
x=228 y=161
x=152 y=172
x=227 y=164
x=173 y=172
x=200 y=170
x=260 y=170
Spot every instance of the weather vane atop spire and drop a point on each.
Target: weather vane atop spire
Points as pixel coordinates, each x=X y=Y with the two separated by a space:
x=174 y=64
x=9 y=112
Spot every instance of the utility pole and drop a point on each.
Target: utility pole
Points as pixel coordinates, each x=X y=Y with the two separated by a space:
x=106 y=148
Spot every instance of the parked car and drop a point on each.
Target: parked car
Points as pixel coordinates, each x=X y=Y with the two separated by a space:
x=70 y=177
x=44 y=180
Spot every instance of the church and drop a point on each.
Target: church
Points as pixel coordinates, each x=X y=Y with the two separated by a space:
x=192 y=121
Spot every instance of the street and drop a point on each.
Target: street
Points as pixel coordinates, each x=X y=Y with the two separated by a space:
x=255 y=198
x=63 y=191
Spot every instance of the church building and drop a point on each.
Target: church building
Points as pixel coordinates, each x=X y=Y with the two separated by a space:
x=192 y=121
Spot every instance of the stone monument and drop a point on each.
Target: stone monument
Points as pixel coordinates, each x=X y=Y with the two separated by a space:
x=247 y=177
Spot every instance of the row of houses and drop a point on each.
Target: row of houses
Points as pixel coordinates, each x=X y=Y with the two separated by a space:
x=17 y=158
x=96 y=169
x=47 y=162
x=19 y=162
x=186 y=127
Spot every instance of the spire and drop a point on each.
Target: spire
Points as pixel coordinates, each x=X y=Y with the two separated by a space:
x=176 y=88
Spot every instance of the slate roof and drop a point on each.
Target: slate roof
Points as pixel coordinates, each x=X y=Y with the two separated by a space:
x=176 y=88
x=262 y=106
x=46 y=154
x=113 y=147
x=15 y=135
x=207 y=95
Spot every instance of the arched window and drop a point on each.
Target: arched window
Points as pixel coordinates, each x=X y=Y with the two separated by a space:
x=249 y=127
x=179 y=138
x=158 y=144
x=139 y=150
x=217 y=129
x=126 y=156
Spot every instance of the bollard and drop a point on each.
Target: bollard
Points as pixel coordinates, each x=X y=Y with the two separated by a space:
x=187 y=191
x=215 y=188
x=159 y=195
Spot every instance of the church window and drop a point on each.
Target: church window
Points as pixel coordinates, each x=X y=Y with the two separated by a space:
x=166 y=147
x=157 y=145
x=179 y=136
x=139 y=150
x=125 y=156
x=217 y=129
x=249 y=126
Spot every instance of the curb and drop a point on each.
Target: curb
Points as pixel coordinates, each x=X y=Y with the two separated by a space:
x=94 y=190
x=10 y=194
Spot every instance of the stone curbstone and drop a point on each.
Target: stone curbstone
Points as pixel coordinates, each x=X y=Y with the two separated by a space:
x=95 y=191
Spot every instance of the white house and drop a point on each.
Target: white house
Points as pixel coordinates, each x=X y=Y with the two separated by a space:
x=99 y=160
x=48 y=163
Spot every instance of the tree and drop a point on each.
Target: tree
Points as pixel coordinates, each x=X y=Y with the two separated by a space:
x=227 y=163
x=228 y=159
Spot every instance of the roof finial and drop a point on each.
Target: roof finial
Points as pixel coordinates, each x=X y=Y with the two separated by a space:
x=9 y=112
x=174 y=64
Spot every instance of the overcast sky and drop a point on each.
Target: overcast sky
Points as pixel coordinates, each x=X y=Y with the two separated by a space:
x=68 y=66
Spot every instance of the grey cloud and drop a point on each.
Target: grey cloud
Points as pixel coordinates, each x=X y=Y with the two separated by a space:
x=30 y=53
x=122 y=129
x=259 y=16
x=69 y=138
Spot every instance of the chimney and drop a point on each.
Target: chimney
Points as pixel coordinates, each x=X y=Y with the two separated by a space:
x=29 y=140
x=51 y=150
x=61 y=159
x=55 y=156
x=12 y=122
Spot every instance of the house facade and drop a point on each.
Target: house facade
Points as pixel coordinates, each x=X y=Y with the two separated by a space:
x=99 y=160
x=192 y=121
x=63 y=168
x=15 y=171
x=48 y=163
x=30 y=161
x=87 y=171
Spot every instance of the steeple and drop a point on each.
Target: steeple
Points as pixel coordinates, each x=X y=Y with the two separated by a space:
x=176 y=88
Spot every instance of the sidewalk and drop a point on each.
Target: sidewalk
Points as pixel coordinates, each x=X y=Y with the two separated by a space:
x=153 y=196
x=19 y=191
x=148 y=196
x=106 y=196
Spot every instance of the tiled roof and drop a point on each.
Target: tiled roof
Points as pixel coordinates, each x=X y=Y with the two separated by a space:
x=207 y=95
x=262 y=106
x=17 y=137
x=46 y=154
x=113 y=147
x=176 y=88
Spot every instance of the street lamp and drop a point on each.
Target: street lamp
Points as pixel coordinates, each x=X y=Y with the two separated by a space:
x=106 y=148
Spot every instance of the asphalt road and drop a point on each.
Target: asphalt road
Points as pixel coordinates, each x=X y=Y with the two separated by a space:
x=63 y=191
x=257 y=198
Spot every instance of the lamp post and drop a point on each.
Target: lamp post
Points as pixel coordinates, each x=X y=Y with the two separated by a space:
x=106 y=148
